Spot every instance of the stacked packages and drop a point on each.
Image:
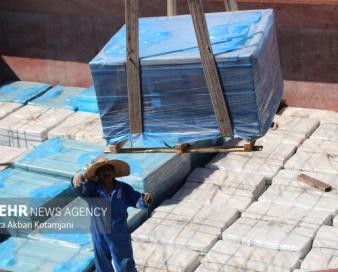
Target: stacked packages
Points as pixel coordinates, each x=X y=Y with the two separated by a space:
x=176 y=104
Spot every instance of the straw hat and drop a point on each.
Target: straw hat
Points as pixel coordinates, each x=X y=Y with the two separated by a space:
x=121 y=168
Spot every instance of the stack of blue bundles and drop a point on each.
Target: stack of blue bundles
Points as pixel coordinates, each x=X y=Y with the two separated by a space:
x=58 y=97
x=153 y=173
x=33 y=190
x=176 y=105
x=72 y=98
x=19 y=254
x=21 y=91
x=86 y=100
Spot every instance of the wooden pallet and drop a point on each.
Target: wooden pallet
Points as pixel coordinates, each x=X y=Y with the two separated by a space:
x=183 y=148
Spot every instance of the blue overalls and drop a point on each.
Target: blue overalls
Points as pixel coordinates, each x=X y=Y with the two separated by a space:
x=113 y=250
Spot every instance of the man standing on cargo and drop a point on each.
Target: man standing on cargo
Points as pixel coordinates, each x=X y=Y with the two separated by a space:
x=113 y=249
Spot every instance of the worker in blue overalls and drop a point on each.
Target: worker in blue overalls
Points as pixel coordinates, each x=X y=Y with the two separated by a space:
x=111 y=238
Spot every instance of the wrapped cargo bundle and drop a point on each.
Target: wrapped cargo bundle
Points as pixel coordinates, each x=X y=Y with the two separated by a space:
x=176 y=104
x=21 y=91
x=324 y=253
x=72 y=98
x=233 y=257
x=159 y=174
x=19 y=254
x=35 y=190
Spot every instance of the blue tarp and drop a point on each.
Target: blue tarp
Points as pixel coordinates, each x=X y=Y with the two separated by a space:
x=176 y=104
x=86 y=101
x=21 y=91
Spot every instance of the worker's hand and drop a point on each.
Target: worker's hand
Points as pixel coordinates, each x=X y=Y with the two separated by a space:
x=77 y=179
x=147 y=198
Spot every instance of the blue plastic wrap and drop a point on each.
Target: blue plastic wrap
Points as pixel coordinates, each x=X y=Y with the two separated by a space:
x=176 y=104
x=21 y=254
x=34 y=190
x=59 y=97
x=155 y=173
x=86 y=100
x=21 y=91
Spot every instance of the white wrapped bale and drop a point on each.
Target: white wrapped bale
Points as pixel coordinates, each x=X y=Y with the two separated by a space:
x=327 y=237
x=80 y=126
x=211 y=215
x=207 y=194
x=277 y=227
x=7 y=108
x=335 y=221
x=289 y=215
x=238 y=163
x=230 y=256
x=271 y=151
x=326 y=131
x=302 y=127
x=188 y=234
x=154 y=257
x=255 y=183
x=280 y=138
x=320 y=258
x=10 y=154
x=287 y=190
x=29 y=125
x=320 y=146
x=322 y=115
x=315 y=162
x=170 y=232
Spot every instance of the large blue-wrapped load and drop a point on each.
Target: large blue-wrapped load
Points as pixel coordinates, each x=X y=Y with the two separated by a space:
x=176 y=105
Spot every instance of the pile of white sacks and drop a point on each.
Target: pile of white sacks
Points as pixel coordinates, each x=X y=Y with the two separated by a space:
x=226 y=218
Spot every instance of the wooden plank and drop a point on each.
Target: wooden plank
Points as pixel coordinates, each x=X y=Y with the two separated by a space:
x=181 y=148
x=231 y=5
x=210 y=69
x=133 y=66
x=315 y=183
x=171 y=7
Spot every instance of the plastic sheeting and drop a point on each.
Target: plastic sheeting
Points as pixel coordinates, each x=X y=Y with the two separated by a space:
x=72 y=98
x=83 y=126
x=277 y=227
x=176 y=104
x=158 y=174
x=18 y=254
x=230 y=257
x=7 y=108
x=29 y=125
x=58 y=97
x=86 y=100
x=21 y=91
